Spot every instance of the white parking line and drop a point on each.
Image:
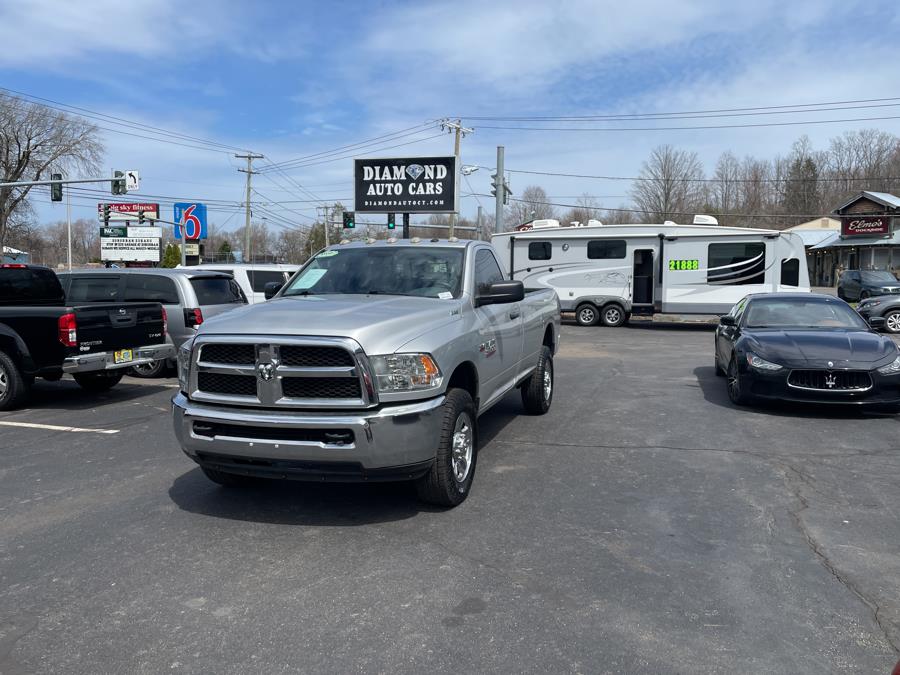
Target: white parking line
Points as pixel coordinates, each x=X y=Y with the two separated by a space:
x=54 y=427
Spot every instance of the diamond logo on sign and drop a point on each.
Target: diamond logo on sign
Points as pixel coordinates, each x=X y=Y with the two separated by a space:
x=415 y=170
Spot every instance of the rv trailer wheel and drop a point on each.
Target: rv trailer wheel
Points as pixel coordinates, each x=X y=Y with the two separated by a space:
x=612 y=315
x=587 y=315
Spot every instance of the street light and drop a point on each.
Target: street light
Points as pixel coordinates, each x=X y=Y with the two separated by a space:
x=469 y=169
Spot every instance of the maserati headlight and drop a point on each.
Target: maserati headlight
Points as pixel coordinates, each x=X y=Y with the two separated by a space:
x=184 y=363
x=759 y=363
x=892 y=368
x=406 y=372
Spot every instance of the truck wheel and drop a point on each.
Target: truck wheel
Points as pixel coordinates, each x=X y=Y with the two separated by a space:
x=450 y=478
x=97 y=382
x=537 y=390
x=231 y=480
x=612 y=315
x=152 y=369
x=587 y=315
x=13 y=386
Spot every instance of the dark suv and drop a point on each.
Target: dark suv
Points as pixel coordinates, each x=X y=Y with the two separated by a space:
x=861 y=284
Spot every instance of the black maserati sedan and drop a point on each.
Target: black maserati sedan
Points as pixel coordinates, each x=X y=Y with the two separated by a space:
x=806 y=347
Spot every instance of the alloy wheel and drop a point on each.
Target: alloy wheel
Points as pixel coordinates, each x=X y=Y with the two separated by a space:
x=734 y=381
x=548 y=382
x=587 y=315
x=612 y=315
x=462 y=448
x=4 y=382
x=892 y=322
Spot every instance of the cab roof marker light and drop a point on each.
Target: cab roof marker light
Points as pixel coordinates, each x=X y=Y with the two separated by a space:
x=345 y=241
x=370 y=241
x=415 y=240
x=392 y=240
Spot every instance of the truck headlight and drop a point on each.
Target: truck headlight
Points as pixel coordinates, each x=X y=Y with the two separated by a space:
x=406 y=372
x=184 y=363
x=892 y=368
x=759 y=363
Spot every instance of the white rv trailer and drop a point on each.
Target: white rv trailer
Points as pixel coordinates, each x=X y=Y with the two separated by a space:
x=606 y=273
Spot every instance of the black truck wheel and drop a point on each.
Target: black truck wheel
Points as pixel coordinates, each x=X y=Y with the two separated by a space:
x=537 y=390
x=13 y=386
x=98 y=382
x=449 y=480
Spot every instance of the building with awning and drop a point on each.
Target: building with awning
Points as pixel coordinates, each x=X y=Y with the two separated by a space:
x=866 y=240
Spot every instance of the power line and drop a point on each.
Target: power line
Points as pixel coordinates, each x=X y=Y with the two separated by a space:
x=355 y=155
x=686 y=112
x=868 y=179
x=696 y=127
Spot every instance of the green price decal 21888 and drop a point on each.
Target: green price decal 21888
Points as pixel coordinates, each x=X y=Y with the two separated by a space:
x=676 y=265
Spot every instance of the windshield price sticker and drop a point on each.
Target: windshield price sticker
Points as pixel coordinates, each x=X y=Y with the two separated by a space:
x=327 y=254
x=682 y=265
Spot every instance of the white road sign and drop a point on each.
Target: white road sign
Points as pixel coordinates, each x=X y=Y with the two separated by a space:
x=144 y=249
x=132 y=181
x=137 y=231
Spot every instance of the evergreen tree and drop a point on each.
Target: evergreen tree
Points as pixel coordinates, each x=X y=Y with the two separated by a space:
x=171 y=256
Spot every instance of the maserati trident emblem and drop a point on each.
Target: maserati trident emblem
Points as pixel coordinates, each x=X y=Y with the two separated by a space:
x=830 y=380
x=831 y=364
x=266 y=371
x=415 y=170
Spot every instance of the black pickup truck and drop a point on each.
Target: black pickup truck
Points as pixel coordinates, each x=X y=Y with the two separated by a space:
x=42 y=336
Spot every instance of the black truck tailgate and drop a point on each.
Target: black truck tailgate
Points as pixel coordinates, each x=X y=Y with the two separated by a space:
x=126 y=325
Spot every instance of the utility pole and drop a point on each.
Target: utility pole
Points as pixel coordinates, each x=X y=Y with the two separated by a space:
x=501 y=189
x=478 y=223
x=249 y=171
x=461 y=132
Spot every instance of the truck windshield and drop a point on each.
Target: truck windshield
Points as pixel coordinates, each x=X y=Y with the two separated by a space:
x=395 y=270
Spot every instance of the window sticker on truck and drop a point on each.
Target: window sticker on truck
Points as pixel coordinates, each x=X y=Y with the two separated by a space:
x=327 y=254
x=681 y=265
x=309 y=278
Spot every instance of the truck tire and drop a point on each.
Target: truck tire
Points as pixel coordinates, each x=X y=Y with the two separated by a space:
x=537 y=390
x=449 y=480
x=13 y=386
x=612 y=315
x=148 y=370
x=587 y=315
x=225 y=479
x=98 y=382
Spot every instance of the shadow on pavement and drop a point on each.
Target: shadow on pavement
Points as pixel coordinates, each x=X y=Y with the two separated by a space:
x=291 y=502
x=715 y=392
x=67 y=395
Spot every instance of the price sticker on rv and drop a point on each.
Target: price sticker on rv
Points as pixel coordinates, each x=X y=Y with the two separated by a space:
x=681 y=265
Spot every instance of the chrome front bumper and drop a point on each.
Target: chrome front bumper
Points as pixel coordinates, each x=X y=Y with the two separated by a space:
x=392 y=436
x=84 y=363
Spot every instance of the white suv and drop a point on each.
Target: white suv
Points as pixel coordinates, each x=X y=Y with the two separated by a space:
x=253 y=278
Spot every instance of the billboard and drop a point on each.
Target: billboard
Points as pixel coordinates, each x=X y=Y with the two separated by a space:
x=128 y=211
x=145 y=249
x=405 y=185
x=872 y=226
x=193 y=216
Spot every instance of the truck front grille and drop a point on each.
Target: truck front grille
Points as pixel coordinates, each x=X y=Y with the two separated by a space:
x=282 y=372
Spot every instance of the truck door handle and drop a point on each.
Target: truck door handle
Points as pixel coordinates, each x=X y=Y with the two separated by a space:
x=514 y=313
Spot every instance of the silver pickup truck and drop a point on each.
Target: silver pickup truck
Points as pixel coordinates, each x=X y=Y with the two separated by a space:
x=372 y=363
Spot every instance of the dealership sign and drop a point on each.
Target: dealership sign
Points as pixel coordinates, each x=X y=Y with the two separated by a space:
x=405 y=185
x=854 y=226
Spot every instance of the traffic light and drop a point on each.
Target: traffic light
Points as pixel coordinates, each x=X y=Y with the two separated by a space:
x=392 y=221
x=494 y=184
x=106 y=215
x=141 y=217
x=349 y=220
x=56 y=188
x=118 y=186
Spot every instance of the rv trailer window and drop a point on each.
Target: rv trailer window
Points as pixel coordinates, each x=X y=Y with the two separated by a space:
x=539 y=250
x=790 y=272
x=604 y=249
x=736 y=264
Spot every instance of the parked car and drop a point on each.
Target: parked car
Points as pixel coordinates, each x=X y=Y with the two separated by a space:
x=373 y=363
x=884 y=306
x=253 y=278
x=190 y=296
x=44 y=335
x=805 y=347
x=861 y=284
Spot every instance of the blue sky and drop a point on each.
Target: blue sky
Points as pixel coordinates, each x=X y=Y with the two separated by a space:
x=289 y=79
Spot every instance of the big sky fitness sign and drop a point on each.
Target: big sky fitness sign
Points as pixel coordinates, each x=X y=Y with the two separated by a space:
x=405 y=185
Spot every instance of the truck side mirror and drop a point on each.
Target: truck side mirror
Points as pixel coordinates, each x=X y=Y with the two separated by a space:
x=726 y=320
x=272 y=289
x=501 y=292
x=876 y=322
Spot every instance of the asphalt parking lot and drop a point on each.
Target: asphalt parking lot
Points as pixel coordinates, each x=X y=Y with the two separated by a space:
x=644 y=525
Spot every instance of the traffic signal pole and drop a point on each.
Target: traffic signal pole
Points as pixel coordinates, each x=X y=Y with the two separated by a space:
x=406 y=226
x=501 y=189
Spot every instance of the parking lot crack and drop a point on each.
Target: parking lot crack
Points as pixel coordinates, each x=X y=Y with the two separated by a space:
x=792 y=475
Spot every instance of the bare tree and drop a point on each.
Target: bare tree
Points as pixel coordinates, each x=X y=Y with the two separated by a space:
x=725 y=189
x=586 y=208
x=35 y=141
x=670 y=185
x=532 y=205
x=292 y=246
